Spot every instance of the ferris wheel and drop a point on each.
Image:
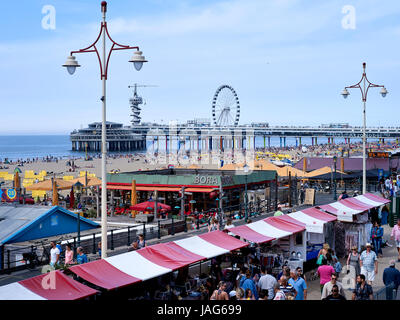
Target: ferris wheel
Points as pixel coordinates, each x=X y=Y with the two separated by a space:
x=225 y=107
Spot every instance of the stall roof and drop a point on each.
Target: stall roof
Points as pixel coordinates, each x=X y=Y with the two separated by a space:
x=312 y=219
x=41 y=288
x=156 y=260
x=356 y=205
x=267 y=230
x=103 y=274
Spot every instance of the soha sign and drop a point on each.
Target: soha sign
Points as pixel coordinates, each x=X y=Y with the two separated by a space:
x=210 y=180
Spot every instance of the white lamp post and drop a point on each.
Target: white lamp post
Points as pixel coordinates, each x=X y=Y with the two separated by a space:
x=71 y=64
x=364 y=91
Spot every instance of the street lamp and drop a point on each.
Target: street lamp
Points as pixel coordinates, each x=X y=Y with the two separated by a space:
x=364 y=91
x=71 y=64
x=246 y=171
x=334 y=184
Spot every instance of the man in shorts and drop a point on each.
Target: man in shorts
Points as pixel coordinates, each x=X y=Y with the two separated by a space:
x=369 y=264
x=396 y=236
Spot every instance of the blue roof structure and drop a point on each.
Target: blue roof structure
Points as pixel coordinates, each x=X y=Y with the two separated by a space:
x=23 y=223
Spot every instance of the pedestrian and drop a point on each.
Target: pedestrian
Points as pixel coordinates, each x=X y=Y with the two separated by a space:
x=99 y=249
x=325 y=273
x=363 y=290
x=249 y=284
x=220 y=293
x=134 y=246
x=81 y=256
x=300 y=274
x=213 y=225
x=141 y=242
x=69 y=255
x=396 y=236
x=322 y=253
x=263 y=295
x=267 y=281
x=241 y=277
x=54 y=255
x=376 y=238
x=369 y=264
x=335 y=295
x=279 y=294
x=353 y=261
x=326 y=290
x=278 y=212
x=287 y=288
x=239 y=294
x=299 y=285
x=391 y=279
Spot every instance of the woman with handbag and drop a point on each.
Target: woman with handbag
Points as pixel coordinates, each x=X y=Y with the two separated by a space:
x=322 y=253
x=353 y=260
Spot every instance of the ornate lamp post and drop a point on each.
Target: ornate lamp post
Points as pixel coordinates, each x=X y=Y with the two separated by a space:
x=71 y=64
x=364 y=91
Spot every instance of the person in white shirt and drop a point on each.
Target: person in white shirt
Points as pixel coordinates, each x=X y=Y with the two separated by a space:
x=54 y=254
x=267 y=282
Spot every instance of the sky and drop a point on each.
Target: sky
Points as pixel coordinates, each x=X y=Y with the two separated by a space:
x=288 y=61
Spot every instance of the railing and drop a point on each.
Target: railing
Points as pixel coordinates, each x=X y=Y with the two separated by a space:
x=386 y=293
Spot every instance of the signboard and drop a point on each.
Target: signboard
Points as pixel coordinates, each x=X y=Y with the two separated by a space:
x=310 y=197
x=209 y=180
x=9 y=195
x=315 y=227
x=378 y=154
x=344 y=216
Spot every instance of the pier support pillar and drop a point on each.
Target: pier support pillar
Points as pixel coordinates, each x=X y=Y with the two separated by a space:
x=264 y=142
x=284 y=142
x=300 y=141
x=280 y=141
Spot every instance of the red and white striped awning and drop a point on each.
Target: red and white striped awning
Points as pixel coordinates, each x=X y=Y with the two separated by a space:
x=372 y=199
x=156 y=260
x=312 y=219
x=266 y=230
x=50 y=286
x=352 y=206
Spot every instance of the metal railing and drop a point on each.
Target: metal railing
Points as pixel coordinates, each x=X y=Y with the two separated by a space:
x=386 y=293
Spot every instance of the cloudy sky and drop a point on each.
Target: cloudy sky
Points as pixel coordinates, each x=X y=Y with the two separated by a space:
x=288 y=61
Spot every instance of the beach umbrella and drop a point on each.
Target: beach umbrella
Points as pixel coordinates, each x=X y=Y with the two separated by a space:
x=71 y=198
x=87 y=181
x=55 y=193
x=47 y=185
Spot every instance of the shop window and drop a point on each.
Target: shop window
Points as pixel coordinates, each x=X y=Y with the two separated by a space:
x=299 y=239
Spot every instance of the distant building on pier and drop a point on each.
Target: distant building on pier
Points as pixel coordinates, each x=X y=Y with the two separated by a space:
x=119 y=138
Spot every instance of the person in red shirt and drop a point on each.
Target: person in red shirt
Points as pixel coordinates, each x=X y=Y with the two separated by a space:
x=325 y=273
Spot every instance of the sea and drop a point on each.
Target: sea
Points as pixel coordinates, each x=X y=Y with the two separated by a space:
x=40 y=146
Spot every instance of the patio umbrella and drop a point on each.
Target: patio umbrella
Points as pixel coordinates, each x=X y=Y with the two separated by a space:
x=149 y=205
x=55 y=194
x=71 y=198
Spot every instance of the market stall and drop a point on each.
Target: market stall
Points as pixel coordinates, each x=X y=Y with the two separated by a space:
x=353 y=227
x=319 y=228
x=50 y=286
x=155 y=260
x=279 y=242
